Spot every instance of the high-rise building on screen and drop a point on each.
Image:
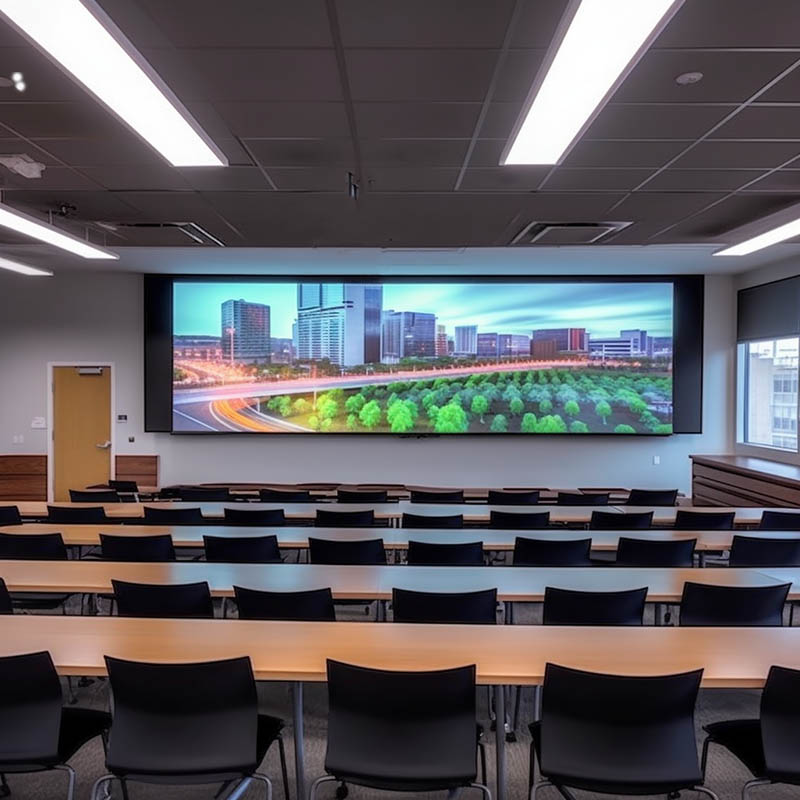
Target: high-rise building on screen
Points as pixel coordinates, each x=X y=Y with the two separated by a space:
x=513 y=344
x=408 y=334
x=566 y=339
x=487 y=344
x=245 y=331
x=340 y=322
x=441 y=340
x=466 y=341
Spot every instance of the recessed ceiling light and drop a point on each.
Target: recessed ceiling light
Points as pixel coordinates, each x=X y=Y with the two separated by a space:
x=80 y=36
x=28 y=226
x=689 y=78
x=22 y=269
x=789 y=230
x=596 y=46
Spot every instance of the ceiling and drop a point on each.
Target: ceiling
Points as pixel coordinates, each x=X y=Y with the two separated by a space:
x=415 y=98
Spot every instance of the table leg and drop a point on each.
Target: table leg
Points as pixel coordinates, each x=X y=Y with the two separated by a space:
x=299 y=748
x=500 y=741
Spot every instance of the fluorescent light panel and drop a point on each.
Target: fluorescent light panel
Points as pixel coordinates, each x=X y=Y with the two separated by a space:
x=28 y=226
x=92 y=49
x=598 y=48
x=789 y=230
x=22 y=269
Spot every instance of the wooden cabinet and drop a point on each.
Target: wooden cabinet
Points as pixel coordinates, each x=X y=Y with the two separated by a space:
x=744 y=481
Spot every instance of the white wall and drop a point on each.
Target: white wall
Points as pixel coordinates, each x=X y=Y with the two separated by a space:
x=88 y=316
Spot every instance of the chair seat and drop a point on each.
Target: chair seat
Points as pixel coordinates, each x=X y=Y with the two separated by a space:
x=630 y=765
x=743 y=738
x=269 y=729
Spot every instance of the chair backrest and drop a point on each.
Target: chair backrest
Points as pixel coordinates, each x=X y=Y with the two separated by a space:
x=436 y=496
x=433 y=554
x=361 y=496
x=124 y=486
x=780 y=724
x=779 y=521
x=751 y=551
x=9 y=515
x=740 y=606
x=242 y=549
x=177 y=600
x=652 y=497
x=610 y=521
x=616 y=710
x=432 y=521
x=6 y=606
x=466 y=608
x=519 y=520
x=33 y=546
x=76 y=515
x=569 y=607
x=441 y=703
x=173 y=516
x=137 y=548
x=583 y=498
x=258 y=517
x=315 y=605
x=30 y=710
x=97 y=496
x=357 y=551
x=704 y=520
x=178 y=719
x=655 y=552
x=285 y=496
x=552 y=552
x=205 y=494
x=508 y=497
x=345 y=519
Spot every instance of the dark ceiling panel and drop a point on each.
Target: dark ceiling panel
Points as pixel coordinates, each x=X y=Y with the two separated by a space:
x=593 y=179
x=289 y=120
x=138 y=178
x=654 y=154
x=85 y=120
x=414 y=152
x=618 y=121
x=700 y=180
x=417 y=120
x=731 y=213
x=310 y=179
x=410 y=179
x=763 y=122
x=537 y=22
x=784 y=180
x=301 y=152
x=503 y=179
x=516 y=75
x=739 y=154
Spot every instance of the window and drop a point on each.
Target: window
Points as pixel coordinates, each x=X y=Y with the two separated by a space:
x=768 y=392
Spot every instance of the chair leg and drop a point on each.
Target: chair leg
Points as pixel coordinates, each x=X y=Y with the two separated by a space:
x=482 y=758
x=71 y=774
x=706 y=791
x=5 y=789
x=239 y=789
x=704 y=756
x=268 y=785
x=531 y=767
x=98 y=785
x=71 y=696
x=752 y=784
x=317 y=783
x=284 y=771
x=483 y=789
x=536 y=786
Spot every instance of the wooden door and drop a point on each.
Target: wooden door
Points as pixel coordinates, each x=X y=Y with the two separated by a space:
x=81 y=428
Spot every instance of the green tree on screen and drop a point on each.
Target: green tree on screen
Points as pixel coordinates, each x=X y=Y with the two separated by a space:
x=326 y=424
x=301 y=406
x=551 y=424
x=352 y=422
x=603 y=410
x=637 y=406
x=499 y=424
x=516 y=406
x=571 y=408
x=545 y=406
x=528 y=424
x=313 y=422
x=578 y=427
x=480 y=405
x=401 y=421
x=451 y=419
x=327 y=408
x=624 y=429
x=354 y=403
x=370 y=415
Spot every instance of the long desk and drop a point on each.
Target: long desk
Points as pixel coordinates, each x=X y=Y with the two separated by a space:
x=513 y=584
x=744 y=516
x=503 y=654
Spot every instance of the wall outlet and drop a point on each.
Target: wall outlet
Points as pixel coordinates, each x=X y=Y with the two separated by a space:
x=656 y=460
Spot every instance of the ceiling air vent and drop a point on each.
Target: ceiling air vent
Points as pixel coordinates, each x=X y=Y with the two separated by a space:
x=566 y=233
x=162 y=233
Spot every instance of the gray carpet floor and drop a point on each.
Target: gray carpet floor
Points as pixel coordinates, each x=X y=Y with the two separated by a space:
x=725 y=774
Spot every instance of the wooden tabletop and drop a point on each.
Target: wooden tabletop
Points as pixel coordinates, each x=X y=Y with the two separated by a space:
x=744 y=516
x=515 y=584
x=503 y=654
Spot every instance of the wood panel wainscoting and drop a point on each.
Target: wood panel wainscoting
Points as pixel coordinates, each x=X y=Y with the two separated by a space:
x=24 y=477
x=744 y=481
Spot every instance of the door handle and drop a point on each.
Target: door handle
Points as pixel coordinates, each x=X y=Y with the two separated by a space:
x=104 y=446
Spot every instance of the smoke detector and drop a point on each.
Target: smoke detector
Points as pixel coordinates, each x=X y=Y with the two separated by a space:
x=23 y=164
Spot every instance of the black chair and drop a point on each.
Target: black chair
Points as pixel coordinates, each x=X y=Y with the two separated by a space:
x=450 y=608
x=173 y=516
x=99 y=496
x=615 y=734
x=401 y=731
x=609 y=521
x=779 y=521
x=242 y=549
x=444 y=496
x=750 y=551
x=569 y=607
x=704 y=520
x=137 y=548
x=432 y=521
x=187 y=723
x=357 y=551
x=552 y=552
x=739 y=606
x=583 y=498
x=361 y=496
x=766 y=746
x=434 y=554
x=126 y=487
x=257 y=517
x=37 y=732
x=9 y=515
x=519 y=521
x=204 y=494
x=178 y=600
x=285 y=496
x=73 y=515
x=345 y=519
x=6 y=606
x=652 y=497
x=655 y=552
x=315 y=605
x=35 y=547
x=507 y=497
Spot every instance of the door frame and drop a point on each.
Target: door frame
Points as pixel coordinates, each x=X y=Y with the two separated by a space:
x=50 y=421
